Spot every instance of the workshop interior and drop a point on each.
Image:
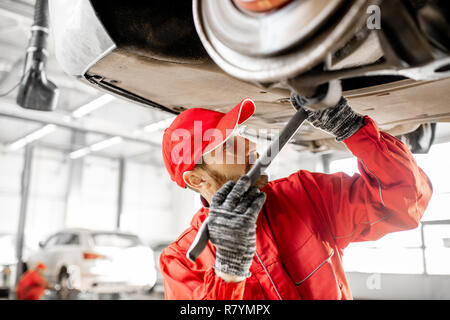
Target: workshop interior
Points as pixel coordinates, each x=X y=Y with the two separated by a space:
x=88 y=87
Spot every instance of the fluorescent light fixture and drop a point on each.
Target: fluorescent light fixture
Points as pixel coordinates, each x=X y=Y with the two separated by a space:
x=95 y=147
x=158 y=125
x=79 y=153
x=106 y=144
x=92 y=106
x=49 y=128
x=35 y=135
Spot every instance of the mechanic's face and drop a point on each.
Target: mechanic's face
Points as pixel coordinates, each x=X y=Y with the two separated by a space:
x=230 y=161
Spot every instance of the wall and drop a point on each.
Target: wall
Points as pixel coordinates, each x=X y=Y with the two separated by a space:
x=373 y=286
x=10 y=178
x=154 y=207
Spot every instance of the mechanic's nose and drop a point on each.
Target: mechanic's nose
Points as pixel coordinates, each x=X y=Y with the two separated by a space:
x=250 y=146
x=241 y=150
x=253 y=145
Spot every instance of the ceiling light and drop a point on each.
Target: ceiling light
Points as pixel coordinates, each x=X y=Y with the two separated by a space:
x=92 y=106
x=35 y=135
x=79 y=153
x=106 y=144
x=158 y=125
x=95 y=147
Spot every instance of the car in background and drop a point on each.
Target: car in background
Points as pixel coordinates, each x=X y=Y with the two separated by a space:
x=92 y=261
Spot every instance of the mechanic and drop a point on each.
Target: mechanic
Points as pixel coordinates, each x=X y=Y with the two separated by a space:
x=283 y=239
x=32 y=284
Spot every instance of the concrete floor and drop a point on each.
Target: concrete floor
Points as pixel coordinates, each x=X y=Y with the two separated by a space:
x=156 y=294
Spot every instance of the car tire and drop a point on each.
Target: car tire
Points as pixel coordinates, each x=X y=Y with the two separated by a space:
x=24 y=267
x=64 y=285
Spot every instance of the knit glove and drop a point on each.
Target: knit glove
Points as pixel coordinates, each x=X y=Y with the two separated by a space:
x=232 y=226
x=340 y=120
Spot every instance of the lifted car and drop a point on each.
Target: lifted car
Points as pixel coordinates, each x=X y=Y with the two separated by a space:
x=391 y=57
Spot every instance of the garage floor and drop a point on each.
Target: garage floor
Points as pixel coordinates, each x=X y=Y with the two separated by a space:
x=156 y=294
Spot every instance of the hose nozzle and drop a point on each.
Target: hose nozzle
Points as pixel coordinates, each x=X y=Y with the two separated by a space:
x=36 y=91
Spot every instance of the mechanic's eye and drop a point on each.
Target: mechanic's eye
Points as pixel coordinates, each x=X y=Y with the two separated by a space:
x=242 y=129
x=229 y=145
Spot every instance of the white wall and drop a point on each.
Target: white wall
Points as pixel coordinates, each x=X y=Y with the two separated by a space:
x=10 y=179
x=47 y=194
x=374 y=286
x=154 y=206
x=96 y=204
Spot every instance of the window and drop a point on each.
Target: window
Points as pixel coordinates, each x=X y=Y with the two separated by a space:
x=68 y=239
x=51 y=242
x=422 y=250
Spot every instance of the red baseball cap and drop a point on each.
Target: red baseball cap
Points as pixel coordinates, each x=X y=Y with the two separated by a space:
x=197 y=131
x=41 y=266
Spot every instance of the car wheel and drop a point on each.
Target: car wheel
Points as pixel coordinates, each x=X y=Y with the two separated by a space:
x=64 y=285
x=24 y=267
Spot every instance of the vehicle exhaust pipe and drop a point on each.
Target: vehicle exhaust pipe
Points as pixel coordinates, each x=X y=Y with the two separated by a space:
x=36 y=91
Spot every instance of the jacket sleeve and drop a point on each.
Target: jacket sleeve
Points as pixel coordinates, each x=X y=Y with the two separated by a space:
x=185 y=281
x=390 y=194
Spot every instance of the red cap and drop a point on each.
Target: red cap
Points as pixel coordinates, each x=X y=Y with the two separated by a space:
x=41 y=266
x=197 y=131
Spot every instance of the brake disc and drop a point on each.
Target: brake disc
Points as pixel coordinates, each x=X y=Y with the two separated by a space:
x=279 y=44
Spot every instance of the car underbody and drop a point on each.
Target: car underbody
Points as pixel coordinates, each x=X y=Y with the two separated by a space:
x=205 y=53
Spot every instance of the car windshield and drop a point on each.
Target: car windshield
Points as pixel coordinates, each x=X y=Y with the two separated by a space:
x=115 y=240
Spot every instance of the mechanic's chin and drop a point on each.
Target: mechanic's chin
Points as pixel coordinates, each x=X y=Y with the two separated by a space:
x=262 y=181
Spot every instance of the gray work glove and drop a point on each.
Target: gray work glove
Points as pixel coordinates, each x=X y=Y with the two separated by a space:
x=340 y=120
x=232 y=226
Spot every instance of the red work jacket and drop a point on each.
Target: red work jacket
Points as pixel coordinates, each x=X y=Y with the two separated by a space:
x=31 y=286
x=306 y=222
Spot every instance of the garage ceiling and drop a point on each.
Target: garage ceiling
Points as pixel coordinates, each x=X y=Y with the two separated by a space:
x=115 y=116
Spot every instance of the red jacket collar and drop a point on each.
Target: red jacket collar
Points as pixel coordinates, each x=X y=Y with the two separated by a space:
x=199 y=217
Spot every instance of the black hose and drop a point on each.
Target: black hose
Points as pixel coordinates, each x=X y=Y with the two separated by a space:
x=39 y=32
x=36 y=91
x=41 y=13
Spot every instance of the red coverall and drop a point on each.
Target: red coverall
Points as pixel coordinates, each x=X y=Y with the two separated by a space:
x=31 y=286
x=306 y=222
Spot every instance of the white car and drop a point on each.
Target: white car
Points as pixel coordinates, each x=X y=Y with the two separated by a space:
x=96 y=261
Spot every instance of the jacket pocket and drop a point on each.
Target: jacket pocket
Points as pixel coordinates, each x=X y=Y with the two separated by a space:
x=311 y=269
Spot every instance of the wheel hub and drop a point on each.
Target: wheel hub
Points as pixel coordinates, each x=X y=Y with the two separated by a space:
x=275 y=45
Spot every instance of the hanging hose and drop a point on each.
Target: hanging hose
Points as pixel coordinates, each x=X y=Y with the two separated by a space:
x=36 y=91
x=39 y=32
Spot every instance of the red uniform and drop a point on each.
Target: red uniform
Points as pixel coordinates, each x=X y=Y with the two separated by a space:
x=31 y=286
x=306 y=222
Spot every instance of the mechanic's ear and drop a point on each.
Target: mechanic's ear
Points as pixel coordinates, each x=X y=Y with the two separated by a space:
x=194 y=180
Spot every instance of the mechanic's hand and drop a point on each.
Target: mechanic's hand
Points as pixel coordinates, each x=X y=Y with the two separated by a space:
x=232 y=226
x=340 y=120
